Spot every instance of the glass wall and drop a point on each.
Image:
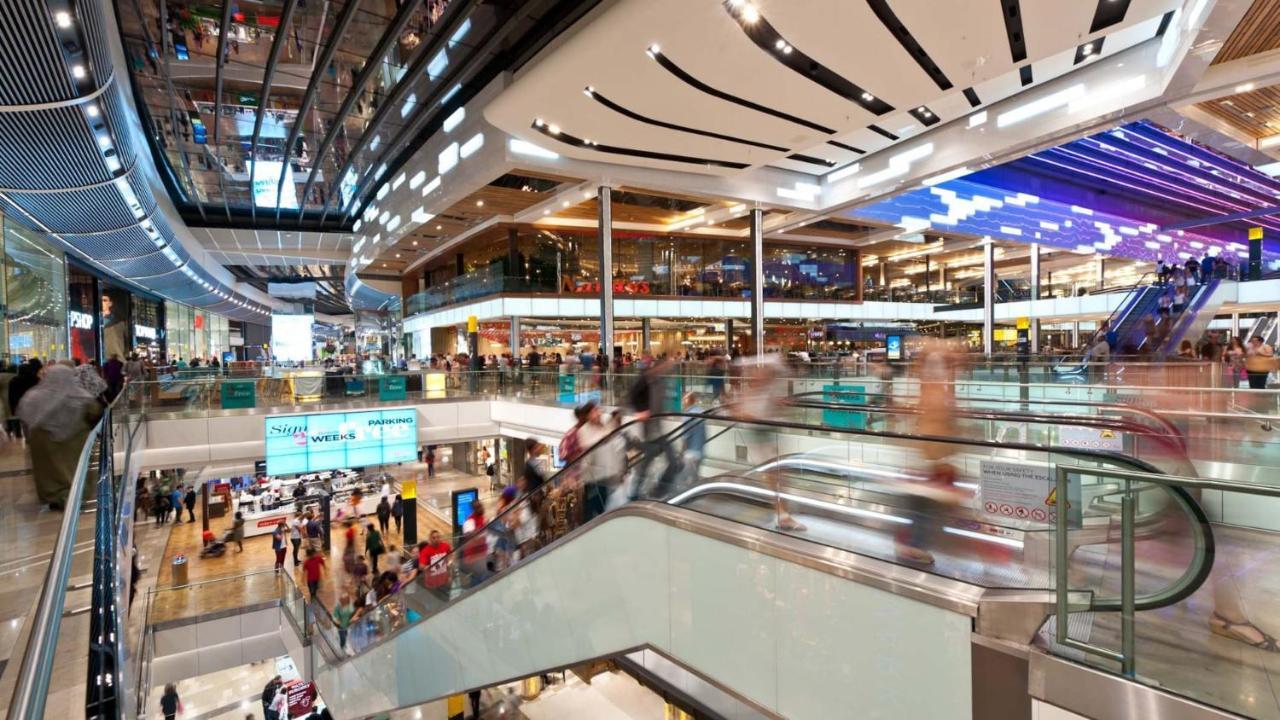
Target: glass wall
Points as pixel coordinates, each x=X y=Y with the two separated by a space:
x=192 y=333
x=810 y=273
x=35 y=293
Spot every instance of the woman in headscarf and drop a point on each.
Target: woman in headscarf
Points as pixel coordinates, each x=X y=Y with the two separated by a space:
x=57 y=416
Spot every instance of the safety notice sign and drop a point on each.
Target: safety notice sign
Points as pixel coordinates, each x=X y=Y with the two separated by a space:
x=1017 y=490
x=1090 y=438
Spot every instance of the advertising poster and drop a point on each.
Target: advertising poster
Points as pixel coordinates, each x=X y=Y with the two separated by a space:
x=311 y=443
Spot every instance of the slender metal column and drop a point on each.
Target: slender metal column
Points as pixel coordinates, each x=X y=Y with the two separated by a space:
x=988 y=297
x=605 y=201
x=1034 y=330
x=515 y=336
x=1235 y=325
x=646 y=327
x=757 y=282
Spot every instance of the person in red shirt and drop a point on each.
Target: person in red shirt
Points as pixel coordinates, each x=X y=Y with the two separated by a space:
x=313 y=570
x=475 y=546
x=435 y=574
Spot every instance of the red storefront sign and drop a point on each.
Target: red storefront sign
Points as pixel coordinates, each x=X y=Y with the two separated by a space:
x=301 y=695
x=620 y=287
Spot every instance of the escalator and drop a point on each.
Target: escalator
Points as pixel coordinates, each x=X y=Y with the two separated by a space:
x=1264 y=327
x=790 y=621
x=1127 y=322
x=1191 y=323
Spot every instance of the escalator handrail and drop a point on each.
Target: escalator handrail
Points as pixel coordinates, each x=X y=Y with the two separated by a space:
x=1096 y=421
x=1187 y=317
x=1137 y=293
x=1182 y=588
x=1170 y=429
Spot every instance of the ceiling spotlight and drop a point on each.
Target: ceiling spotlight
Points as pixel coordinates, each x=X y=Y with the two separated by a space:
x=63 y=19
x=78 y=72
x=589 y=91
x=780 y=44
x=553 y=129
x=479 y=203
x=786 y=50
x=439 y=227
x=546 y=212
x=397 y=256
x=415 y=243
x=653 y=50
x=750 y=13
x=537 y=122
x=868 y=97
x=1088 y=49
x=92 y=110
x=564 y=204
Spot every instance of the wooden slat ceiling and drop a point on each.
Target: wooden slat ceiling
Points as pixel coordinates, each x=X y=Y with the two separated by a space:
x=1258 y=31
x=1255 y=113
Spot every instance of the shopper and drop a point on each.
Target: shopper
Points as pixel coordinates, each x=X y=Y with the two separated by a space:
x=373 y=546
x=431 y=461
x=384 y=514
x=432 y=563
x=237 y=531
x=645 y=398
x=343 y=612
x=313 y=571
x=296 y=527
x=160 y=506
x=58 y=415
x=475 y=545
x=170 y=703
x=269 y=696
x=1259 y=361
x=315 y=531
x=397 y=512
x=175 y=501
x=190 y=501
x=278 y=543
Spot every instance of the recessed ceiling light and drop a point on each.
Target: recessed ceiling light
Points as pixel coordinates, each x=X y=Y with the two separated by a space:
x=415 y=243
x=479 y=203
x=397 y=256
x=78 y=72
x=868 y=97
x=62 y=18
x=780 y=44
x=750 y=13
x=439 y=227
x=564 y=204
x=92 y=110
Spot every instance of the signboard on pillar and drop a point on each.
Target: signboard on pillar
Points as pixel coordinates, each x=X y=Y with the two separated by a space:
x=1255 y=254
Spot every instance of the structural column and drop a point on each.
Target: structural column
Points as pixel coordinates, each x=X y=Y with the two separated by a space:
x=757 y=282
x=1102 y=272
x=1235 y=325
x=605 y=201
x=646 y=326
x=515 y=336
x=988 y=296
x=1034 y=328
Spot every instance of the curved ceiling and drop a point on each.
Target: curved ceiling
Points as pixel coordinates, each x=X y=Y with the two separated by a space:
x=803 y=85
x=71 y=156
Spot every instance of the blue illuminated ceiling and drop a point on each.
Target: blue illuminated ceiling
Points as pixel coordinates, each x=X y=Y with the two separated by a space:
x=1109 y=193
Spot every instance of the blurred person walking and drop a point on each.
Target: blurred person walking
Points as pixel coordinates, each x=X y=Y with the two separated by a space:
x=384 y=514
x=645 y=398
x=755 y=402
x=57 y=415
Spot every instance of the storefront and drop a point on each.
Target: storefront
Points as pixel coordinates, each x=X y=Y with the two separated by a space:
x=192 y=333
x=35 y=295
x=82 y=313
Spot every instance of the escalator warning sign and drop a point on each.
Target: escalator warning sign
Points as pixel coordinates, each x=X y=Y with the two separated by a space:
x=1052 y=500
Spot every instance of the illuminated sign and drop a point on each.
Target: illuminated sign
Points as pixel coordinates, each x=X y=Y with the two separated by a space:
x=266 y=180
x=310 y=443
x=80 y=321
x=142 y=332
x=620 y=287
x=893 y=347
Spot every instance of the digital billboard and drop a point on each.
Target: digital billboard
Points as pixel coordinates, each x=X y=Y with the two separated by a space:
x=292 y=337
x=310 y=443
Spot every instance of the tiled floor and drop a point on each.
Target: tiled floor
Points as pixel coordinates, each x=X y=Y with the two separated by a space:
x=185 y=539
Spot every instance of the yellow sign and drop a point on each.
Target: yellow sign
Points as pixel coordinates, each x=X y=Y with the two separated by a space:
x=1024 y=323
x=1052 y=500
x=408 y=489
x=473 y=324
x=1255 y=233
x=454 y=706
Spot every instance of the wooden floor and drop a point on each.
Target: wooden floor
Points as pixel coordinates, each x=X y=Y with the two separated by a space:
x=239 y=579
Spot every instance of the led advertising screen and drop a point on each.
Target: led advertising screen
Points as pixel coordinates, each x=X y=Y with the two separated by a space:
x=266 y=178
x=311 y=443
x=291 y=337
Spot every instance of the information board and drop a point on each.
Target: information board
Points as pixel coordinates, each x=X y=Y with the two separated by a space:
x=849 y=395
x=1026 y=491
x=310 y=443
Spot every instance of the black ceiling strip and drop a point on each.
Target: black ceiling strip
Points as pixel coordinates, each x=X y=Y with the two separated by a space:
x=1165 y=22
x=1088 y=50
x=217 y=98
x=694 y=82
x=771 y=41
x=1013 y=28
x=812 y=160
x=339 y=121
x=1109 y=13
x=568 y=139
x=881 y=131
x=914 y=49
x=850 y=148
x=309 y=95
x=972 y=96
x=595 y=95
x=924 y=116
x=268 y=75
x=1024 y=73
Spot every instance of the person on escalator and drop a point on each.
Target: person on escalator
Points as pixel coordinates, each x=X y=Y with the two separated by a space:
x=1259 y=361
x=936 y=418
x=475 y=545
x=604 y=463
x=757 y=401
x=645 y=398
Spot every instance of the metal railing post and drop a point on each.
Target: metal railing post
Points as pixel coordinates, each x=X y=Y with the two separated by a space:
x=1128 y=572
x=1061 y=555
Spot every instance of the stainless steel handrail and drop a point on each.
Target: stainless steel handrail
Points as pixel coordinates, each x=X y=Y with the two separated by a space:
x=36 y=668
x=1126 y=656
